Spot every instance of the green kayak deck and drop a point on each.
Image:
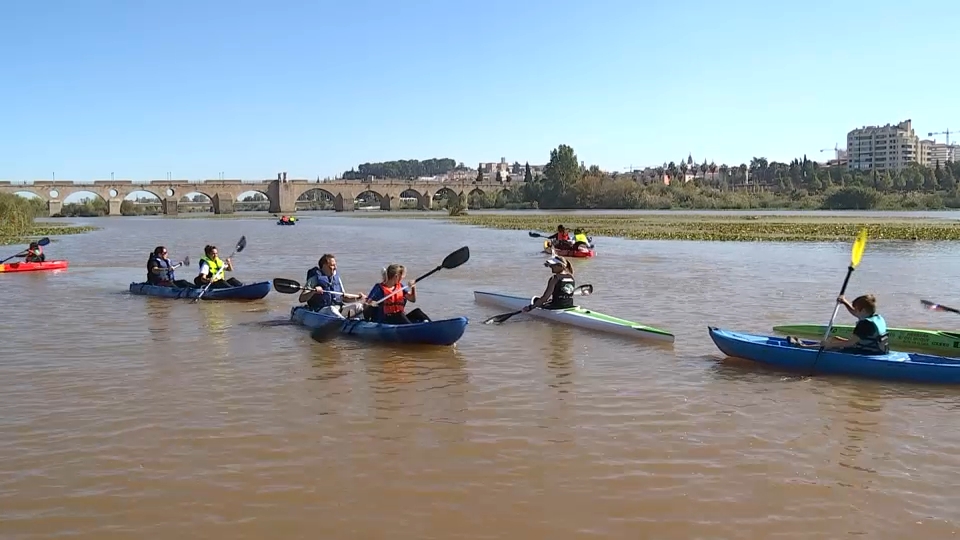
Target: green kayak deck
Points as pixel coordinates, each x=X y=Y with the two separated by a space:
x=938 y=341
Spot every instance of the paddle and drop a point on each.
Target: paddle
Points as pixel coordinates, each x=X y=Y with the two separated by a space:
x=41 y=242
x=856 y=254
x=451 y=261
x=289 y=286
x=583 y=290
x=937 y=307
x=538 y=235
x=240 y=246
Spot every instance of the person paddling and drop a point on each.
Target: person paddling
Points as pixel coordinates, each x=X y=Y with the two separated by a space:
x=33 y=254
x=160 y=271
x=390 y=311
x=870 y=331
x=212 y=270
x=561 y=238
x=580 y=239
x=560 y=286
x=322 y=280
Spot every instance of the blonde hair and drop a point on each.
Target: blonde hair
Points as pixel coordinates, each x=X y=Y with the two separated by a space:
x=394 y=271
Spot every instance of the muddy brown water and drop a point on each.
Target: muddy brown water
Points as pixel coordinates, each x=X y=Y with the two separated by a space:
x=131 y=417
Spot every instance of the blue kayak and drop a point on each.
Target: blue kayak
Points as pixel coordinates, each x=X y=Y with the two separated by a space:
x=252 y=291
x=445 y=332
x=897 y=366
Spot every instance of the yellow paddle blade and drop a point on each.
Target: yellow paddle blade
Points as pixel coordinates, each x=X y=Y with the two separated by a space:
x=858 y=246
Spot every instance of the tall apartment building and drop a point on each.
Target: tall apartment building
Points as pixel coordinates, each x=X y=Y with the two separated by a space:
x=932 y=152
x=881 y=148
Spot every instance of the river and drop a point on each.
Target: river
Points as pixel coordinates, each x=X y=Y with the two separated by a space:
x=132 y=417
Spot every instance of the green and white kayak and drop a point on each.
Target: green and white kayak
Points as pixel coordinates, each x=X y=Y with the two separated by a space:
x=576 y=316
x=937 y=341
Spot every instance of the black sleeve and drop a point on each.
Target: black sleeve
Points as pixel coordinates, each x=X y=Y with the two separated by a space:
x=552 y=236
x=864 y=329
x=151 y=264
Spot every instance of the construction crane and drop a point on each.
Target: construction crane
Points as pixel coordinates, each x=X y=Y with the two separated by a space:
x=947 y=132
x=836 y=148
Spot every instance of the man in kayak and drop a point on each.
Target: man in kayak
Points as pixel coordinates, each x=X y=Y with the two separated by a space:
x=390 y=311
x=870 y=331
x=34 y=254
x=160 y=272
x=560 y=286
x=212 y=270
x=323 y=284
x=561 y=238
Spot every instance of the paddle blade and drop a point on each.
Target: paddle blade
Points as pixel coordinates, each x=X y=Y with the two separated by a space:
x=286 y=286
x=502 y=317
x=456 y=258
x=584 y=290
x=241 y=244
x=858 y=246
x=937 y=307
x=533 y=234
x=186 y=261
x=43 y=241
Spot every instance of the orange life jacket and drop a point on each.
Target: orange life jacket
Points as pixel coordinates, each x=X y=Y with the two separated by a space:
x=396 y=303
x=563 y=236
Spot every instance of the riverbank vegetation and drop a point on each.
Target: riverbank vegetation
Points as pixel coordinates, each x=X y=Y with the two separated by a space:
x=800 y=184
x=17 y=225
x=743 y=228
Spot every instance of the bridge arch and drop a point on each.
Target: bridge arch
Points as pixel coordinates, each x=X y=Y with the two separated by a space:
x=316 y=199
x=252 y=200
x=84 y=203
x=364 y=199
x=189 y=202
x=28 y=194
x=412 y=198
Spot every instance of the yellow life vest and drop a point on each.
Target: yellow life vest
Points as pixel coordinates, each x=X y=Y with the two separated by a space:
x=581 y=238
x=214 y=265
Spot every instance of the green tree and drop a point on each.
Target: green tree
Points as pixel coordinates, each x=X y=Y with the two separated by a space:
x=479 y=173
x=560 y=174
x=527 y=174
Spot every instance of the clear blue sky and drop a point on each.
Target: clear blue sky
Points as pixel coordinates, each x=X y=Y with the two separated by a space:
x=250 y=88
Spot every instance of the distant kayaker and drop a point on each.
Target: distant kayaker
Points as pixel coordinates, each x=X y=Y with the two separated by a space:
x=284 y=219
x=870 y=331
x=560 y=286
x=34 y=254
x=561 y=238
x=580 y=239
x=160 y=271
x=390 y=311
x=210 y=269
x=323 y=279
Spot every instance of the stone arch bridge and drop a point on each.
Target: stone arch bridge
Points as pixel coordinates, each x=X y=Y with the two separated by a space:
x=281 y=193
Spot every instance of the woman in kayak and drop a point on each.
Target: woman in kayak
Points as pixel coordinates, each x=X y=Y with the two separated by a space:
x=870 y=331
x=560 y=286
x=561 y=238
x=212 y=270
x=160 y=272
x=322 y=280
x=390 y=311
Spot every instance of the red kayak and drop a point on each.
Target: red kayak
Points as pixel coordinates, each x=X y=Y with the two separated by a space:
x=581 y=251
x=33 y=266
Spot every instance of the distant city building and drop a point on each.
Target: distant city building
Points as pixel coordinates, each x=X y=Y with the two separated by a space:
x=882 y=148
x=932 y=153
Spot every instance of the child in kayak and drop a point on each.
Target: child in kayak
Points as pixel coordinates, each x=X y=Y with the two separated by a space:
x=34 y=254
x=560 y=286
x=870 y=331
x=390 y=311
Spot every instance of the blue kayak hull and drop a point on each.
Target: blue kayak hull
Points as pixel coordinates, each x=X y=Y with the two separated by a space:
x=284 y=223
x=445 y=332
x=895 y=366
x=253 y=291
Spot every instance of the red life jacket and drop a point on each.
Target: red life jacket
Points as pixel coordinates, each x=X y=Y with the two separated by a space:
x=563 y=236
x=396 y=303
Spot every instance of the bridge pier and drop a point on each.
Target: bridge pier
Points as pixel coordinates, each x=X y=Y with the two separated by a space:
x=170 y=206
x=426 y=201
x=282 y=199
x=113 y=207
x=222 y=203
x=343 y=204
x=385 y=202
x=54 y=207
